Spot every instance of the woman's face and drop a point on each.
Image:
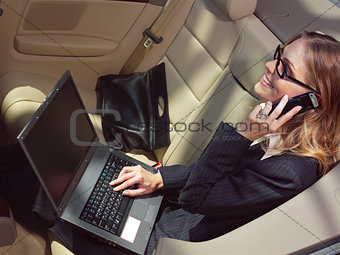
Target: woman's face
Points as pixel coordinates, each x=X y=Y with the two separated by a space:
x=271 y=87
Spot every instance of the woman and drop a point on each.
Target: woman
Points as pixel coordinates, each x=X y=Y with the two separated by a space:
x=234 y=182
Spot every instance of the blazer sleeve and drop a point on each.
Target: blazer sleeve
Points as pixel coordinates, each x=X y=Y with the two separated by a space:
x=174 y=177
x=219 y=186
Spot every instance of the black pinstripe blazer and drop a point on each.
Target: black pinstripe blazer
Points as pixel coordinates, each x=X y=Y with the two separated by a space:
x=230 y=185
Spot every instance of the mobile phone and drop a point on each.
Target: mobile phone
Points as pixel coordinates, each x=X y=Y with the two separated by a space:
x=307 y=101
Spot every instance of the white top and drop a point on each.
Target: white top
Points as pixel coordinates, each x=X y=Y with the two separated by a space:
x=273 y=139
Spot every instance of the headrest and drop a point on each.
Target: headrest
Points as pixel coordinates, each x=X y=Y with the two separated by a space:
x=255 y=47
x=237 y=9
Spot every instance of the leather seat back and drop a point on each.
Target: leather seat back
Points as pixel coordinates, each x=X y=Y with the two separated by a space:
x=211 y=67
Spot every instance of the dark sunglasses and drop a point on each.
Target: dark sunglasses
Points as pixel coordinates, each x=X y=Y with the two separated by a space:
x=281 y=69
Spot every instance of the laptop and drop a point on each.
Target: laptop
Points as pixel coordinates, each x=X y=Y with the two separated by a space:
x=74 y=169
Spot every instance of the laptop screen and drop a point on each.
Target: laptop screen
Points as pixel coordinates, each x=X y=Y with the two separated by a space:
x=51 y=140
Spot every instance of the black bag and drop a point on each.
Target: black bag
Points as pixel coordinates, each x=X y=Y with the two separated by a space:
x=130 y=115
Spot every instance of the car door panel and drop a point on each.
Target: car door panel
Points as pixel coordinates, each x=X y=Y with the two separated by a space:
x=92 y=28
x=89 y=37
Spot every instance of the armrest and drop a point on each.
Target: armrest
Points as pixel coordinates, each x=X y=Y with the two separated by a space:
x=80 y=46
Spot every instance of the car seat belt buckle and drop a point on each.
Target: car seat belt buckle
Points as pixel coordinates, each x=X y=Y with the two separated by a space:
x=151 y=38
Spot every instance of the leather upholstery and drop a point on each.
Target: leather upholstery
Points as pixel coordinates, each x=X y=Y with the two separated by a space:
x=201 y=66
x=237 y=9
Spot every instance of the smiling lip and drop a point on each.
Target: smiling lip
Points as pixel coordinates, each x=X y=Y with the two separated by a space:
x=265 y=82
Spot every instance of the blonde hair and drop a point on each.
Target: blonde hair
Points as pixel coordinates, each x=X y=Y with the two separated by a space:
x=316 y=133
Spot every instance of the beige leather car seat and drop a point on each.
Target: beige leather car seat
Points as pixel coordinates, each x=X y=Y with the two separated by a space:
x=221 y=42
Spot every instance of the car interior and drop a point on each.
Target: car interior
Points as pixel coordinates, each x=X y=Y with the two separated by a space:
x=214 y=53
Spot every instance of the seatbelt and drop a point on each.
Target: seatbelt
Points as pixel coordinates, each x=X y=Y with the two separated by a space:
x=151 y=35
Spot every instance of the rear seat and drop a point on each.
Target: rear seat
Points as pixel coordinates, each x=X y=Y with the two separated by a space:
x=201 y=87
x=211 y=67
x=211 y=71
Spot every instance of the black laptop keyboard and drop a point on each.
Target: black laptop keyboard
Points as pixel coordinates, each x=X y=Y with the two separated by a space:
x=106 y=208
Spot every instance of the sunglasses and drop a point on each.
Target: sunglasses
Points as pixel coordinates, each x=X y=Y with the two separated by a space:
x=281 y=69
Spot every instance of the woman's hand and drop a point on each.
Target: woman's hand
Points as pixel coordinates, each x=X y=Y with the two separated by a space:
x=146 y=182
x=258 y=123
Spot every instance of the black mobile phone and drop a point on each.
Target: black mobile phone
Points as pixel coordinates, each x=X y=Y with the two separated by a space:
x=307 y=101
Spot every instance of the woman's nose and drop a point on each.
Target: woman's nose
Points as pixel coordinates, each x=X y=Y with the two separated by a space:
x=270 y=65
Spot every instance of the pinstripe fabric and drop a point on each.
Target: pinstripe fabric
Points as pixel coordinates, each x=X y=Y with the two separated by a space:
x=230 y=186
x=227 y=187
x=226 y=182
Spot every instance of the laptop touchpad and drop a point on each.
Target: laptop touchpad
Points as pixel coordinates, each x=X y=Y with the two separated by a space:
x=139 y=208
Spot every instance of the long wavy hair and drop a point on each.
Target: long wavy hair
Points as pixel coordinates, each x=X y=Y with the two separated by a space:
x=316 y=133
